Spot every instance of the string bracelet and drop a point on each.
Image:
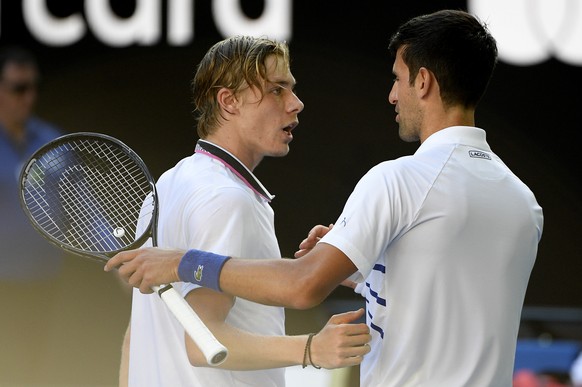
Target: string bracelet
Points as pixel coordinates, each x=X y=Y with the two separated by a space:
x=202 y=268
x=307 y=352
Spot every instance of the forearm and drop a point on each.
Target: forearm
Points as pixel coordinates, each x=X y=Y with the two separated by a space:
x=247 y=351
x=299 y=283
x=341 y=343
x=280 y=282
x=295 y=283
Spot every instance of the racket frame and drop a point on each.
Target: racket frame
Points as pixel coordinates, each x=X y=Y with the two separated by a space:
x=95 y=255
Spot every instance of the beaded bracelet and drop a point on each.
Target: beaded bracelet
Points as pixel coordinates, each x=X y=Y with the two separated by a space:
x=307 y=352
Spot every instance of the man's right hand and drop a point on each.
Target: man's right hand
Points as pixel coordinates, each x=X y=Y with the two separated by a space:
x=147 y=267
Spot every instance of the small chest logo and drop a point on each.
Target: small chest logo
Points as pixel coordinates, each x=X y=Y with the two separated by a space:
x=479 y=155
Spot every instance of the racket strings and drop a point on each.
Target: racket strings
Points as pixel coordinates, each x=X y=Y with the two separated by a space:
x=89 y=195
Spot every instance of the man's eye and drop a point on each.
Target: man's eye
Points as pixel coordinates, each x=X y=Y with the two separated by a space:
x=277 y=90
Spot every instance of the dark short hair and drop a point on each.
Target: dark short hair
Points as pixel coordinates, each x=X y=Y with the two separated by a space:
x=18 y=55
x=455 y=46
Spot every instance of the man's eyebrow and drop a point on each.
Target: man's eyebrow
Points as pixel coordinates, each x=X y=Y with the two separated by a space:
x=283 y=83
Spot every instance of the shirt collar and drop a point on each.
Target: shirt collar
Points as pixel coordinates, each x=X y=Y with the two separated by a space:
x=464 y=135
x=235 y=165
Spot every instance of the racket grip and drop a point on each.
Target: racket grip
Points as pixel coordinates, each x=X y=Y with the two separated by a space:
x=214 y=352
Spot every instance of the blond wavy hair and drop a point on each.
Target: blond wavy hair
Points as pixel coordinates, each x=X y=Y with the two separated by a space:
x=234 y=63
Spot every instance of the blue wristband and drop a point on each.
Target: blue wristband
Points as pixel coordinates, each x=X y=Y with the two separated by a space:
x=202 y=268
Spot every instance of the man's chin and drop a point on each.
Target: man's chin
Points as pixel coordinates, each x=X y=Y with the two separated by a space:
x=280 y=153
x=408 y=136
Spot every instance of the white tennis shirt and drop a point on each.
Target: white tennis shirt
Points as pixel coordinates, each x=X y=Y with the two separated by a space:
x=204 y=205
x=444 y=242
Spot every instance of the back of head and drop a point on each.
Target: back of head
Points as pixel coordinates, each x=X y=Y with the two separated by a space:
x=234 y=63
x=456 y=47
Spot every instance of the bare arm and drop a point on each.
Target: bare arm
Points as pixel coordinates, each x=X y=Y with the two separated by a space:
x=298 y=283
x=313 y=237
x=339 y=344
x=295 y=283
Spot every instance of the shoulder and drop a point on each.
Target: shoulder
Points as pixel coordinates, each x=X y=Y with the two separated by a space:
x=405 y=180
x=403 y=170
x=42 y=129
x=204 y=182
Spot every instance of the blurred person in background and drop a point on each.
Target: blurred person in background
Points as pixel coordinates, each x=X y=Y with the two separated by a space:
x=29 y=265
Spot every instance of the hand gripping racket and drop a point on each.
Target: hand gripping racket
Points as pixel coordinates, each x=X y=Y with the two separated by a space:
x=86 y=193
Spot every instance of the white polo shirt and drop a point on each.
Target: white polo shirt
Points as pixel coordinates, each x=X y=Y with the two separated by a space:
x=445 y=240
x=204 y=205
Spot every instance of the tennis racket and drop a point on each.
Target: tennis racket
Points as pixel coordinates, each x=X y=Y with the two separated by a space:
x=91 y=195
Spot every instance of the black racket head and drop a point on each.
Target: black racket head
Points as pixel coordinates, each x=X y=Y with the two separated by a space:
x=87 y=192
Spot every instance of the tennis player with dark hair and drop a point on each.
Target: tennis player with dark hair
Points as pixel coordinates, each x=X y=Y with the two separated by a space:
x=246 y=109
x=441 y=243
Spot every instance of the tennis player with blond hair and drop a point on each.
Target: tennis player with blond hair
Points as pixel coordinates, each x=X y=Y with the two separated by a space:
x=246 y=110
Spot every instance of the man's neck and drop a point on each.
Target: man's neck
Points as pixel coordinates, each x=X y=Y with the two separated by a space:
x=452 y=117
x=236 y=148
x=14 y=130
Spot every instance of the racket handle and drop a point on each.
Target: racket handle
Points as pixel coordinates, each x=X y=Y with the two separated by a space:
x=214 y=352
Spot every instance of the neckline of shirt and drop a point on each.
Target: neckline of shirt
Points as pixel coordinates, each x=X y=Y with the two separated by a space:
x=235 y=165
x=465 y=135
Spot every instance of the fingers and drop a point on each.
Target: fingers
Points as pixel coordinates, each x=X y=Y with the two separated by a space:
x=352 y=334
x=349 y=284
x=128 y=269
x=354 y=355
x=300 y=253
x=147 y=267
x=319 y=231
x=342 y=342
x=346 y=317
x=336 y=347
x=119 y=259
x=309 y=242
x=314 y=236
x=135 y=277
x=344 y=323
x=357 y=355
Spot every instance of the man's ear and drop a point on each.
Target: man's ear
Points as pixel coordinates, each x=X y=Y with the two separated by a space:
x=425 y=82
x=227 y=100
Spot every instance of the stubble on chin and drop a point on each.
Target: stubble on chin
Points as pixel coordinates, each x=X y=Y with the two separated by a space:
x=407 y=135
